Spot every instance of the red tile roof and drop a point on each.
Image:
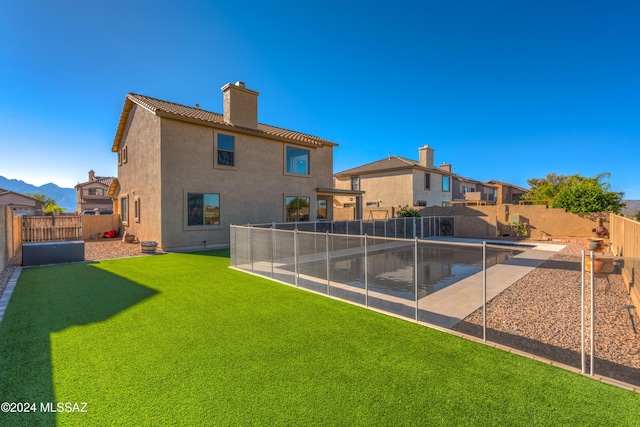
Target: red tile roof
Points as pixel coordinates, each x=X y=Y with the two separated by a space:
x=191 y=113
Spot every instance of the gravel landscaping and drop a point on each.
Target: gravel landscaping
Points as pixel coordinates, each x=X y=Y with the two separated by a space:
x=539 y=314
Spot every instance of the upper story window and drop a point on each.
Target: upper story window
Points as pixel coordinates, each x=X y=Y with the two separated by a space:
x=297 y=161
x=446 y=183
x=355 y=183
x=427 y=181
x=203 y=209
x=96 y=192
x=226 y=150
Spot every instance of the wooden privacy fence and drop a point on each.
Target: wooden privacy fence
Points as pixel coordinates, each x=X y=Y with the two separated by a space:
x=51 y=228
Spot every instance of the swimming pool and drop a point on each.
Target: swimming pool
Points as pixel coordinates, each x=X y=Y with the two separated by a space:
x=391 y=270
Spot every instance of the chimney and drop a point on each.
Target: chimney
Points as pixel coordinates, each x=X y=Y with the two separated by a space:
x=92 y=176
x=426 y=156
x=445 y=167
x=240 y=105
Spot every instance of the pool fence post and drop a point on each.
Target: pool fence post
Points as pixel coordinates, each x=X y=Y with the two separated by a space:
x=583 y=356
x=273 y=248
x=328 y=264
x=415 y=271
x=593 y=300
x=250 y=260
x=234 y=233
x=295 y=255
x=366 y=274
x=484 y=291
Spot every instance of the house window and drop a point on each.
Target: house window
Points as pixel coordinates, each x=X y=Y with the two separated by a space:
x=297 y=161
x=421 y=203
x=446 y=183
x=124 y=210
x=203 y=209
x=297 y=208
x=321 y=209
x=372 y=204
x=465 y=189
x=96 y=192
x=136 y=209
x=427 y=181
x=355 y=183
x=226 y=150
x=122 y=156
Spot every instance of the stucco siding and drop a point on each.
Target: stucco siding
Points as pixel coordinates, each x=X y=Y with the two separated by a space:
x=252 y=191
x=434 y=196
x=139 y=175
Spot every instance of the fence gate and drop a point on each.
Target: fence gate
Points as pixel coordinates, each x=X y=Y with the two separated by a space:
x=51 y=228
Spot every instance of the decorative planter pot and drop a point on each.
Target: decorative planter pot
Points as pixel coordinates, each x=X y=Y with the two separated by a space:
x=594 y=244
x=148 y=246
x=600 y=265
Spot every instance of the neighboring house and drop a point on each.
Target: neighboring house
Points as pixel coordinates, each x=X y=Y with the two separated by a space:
x=93 y=195
x=20 y=204
x=507 y=193
x=396 y=181
x=186 y=174
x=469 y=191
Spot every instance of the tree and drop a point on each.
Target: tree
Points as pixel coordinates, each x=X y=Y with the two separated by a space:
x=407 y=212
x=576 y=193
x=48 y=204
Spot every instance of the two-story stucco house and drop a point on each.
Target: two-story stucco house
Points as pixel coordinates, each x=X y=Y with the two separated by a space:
x=186 y=174
x=93 y=195
x=396 y=181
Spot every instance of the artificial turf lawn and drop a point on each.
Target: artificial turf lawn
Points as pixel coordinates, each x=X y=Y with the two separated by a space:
x=181 y=339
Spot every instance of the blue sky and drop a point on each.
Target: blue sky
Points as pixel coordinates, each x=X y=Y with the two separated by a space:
x=501 y=90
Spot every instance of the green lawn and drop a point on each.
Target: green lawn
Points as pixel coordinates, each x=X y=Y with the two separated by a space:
x=181 y=339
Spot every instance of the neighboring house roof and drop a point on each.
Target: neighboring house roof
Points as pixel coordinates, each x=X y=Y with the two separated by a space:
x=494 y=182
x=4 y=192
x=192 y=114
x=105 y=180
x=389 y=164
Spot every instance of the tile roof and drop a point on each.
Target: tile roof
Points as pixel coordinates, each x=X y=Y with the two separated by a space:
x=106 y=180
x=191 y=113
x=390 y=163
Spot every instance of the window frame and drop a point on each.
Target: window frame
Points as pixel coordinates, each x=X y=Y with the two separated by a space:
x=355 y=180
x=319 y=206
x=286 y=208
x=204 y=225
x=427 y=181
x=136 y=209
x=446 y=179
x=287 y=161
x=217 y=149
x=124 y=209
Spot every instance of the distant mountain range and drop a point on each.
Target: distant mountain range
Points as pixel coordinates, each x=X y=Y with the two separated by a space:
x=632 y=207
x=64 y=197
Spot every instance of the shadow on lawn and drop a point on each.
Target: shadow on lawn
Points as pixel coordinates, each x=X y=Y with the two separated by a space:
x=47 y=300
